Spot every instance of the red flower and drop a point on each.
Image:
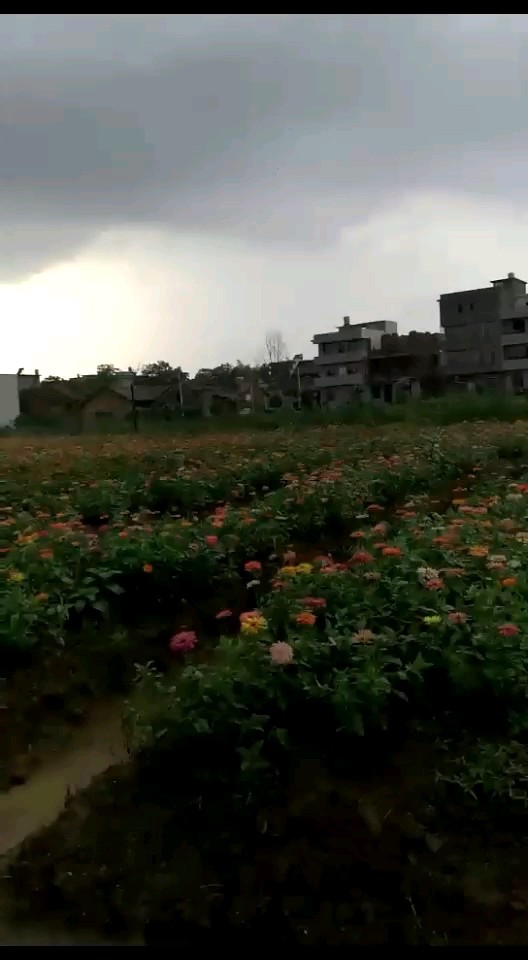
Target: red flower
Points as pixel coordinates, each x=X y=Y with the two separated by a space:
x=390 y=551
x=224 y=614
x=211 y=540
x=183 y=642
x=508 y=629
x=361 y=556
x=253 y=566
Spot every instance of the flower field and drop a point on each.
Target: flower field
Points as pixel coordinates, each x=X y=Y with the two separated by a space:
x=318 y=635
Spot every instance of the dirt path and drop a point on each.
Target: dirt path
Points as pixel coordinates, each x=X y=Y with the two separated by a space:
x=38 y=802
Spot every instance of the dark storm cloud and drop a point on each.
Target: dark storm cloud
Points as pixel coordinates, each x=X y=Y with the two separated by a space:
x=282 y=127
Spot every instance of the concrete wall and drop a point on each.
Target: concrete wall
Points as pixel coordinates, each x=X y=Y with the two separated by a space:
x=471 y=321
x=9 y=399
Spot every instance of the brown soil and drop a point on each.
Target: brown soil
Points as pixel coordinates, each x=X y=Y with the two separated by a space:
x=364 y=862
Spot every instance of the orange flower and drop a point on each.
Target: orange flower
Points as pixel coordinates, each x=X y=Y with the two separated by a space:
x=46 y=554
x=509 y=582
x=305 y=618
x=357 y=534
x=147 y=568
x=478 y=551
x=391 y=551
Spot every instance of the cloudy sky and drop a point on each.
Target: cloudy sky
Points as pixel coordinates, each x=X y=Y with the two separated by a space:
x=174 y=186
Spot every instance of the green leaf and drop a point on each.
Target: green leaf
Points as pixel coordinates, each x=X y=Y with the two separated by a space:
x=101 y=605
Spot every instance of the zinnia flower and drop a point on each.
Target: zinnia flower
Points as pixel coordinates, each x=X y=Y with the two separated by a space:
x=147 y=568
x=434 y=584
x=224 y=614
x=211 y=540
x=363 y=636
x=281 y=653
x=432 y=619
x=509 y=582
x=253 y=566
x=316 y=603
x=252 y=622
x=508 y=629
x=391 y=551
x=183 y=642
x=361 y=556
x=305 y=618
x=457 y=616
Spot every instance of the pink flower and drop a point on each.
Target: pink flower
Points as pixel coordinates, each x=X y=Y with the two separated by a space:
x=508 y=629
x=211 y=540
x=183 y=642
x=314 y=603
x=281 y=653
x=224 y=614
x=253 y=566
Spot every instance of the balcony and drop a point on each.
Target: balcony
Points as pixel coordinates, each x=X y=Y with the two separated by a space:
x=510 y=339
x=341 y=380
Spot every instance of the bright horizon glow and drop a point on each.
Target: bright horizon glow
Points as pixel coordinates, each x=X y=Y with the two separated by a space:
x=136 y=297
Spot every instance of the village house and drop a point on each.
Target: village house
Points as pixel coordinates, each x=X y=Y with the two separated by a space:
x=406 y=366
x=342 y=361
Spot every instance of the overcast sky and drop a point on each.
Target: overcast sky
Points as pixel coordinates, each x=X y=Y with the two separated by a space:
x=174 y=186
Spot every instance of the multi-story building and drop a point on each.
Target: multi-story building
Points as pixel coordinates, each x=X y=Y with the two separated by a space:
x=486 y=335
x=407 y=365
x=342 y=360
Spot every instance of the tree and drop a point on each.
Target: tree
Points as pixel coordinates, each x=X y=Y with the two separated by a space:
x=106 y=371
x=276 y=349
x=159 y=369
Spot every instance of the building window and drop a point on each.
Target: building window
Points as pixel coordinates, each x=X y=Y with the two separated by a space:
x=342 y=371
x=460 y=308
x=519 y=325
x=351 y=370
x=515 y=351
x=471 y=306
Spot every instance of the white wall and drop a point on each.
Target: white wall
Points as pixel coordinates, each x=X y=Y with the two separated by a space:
x=9 y=400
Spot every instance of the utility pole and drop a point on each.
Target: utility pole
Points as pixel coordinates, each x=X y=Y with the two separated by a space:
x=133 y=399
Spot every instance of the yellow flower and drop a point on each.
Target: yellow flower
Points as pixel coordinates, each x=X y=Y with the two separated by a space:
x=16 y=577
x=304 y=568
x=288 y=571
x=252 y=623
x=432 y=619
